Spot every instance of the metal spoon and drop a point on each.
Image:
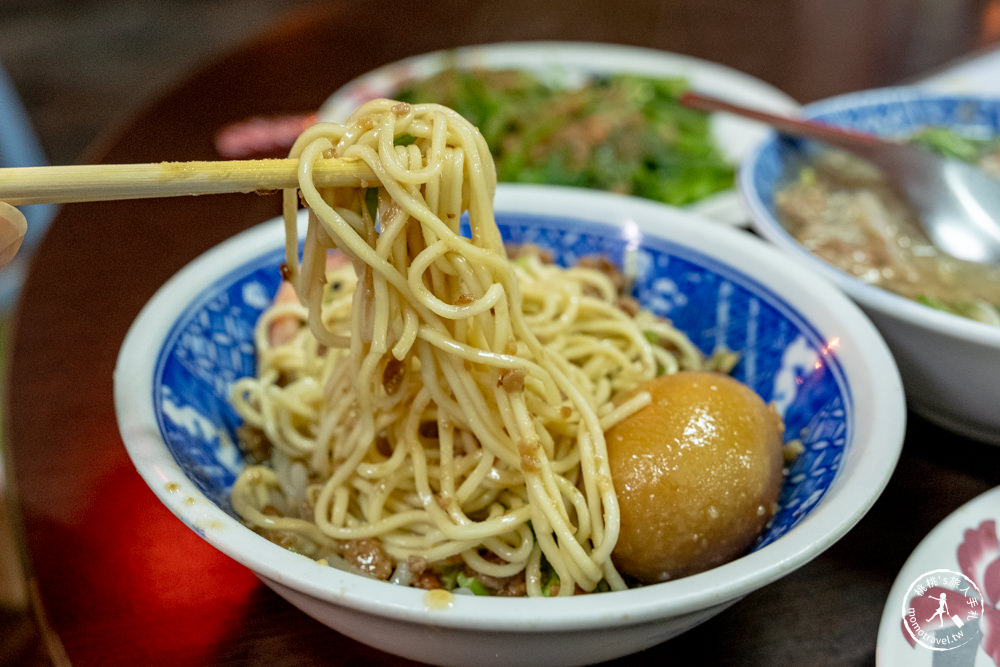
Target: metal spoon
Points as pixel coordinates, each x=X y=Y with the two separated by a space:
x=958 y=204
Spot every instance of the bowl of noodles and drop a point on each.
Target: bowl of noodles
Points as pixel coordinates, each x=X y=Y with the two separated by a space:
x=939 y=315
x=530 y=424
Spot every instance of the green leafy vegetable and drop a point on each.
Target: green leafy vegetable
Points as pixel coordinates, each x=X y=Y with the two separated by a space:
x=978 y=310
x=622 y=133
x=936 y=304
x=948 y=142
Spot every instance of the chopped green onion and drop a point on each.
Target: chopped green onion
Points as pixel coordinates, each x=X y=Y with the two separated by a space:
x=550 y=579
x=464 y=581
x=371 y=202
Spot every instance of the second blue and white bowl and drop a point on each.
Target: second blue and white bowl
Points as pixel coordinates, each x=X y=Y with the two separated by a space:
x=950 y=365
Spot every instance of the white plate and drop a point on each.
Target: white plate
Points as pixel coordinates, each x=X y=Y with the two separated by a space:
x=572 y=62
x=978 y=74
x=959 y=555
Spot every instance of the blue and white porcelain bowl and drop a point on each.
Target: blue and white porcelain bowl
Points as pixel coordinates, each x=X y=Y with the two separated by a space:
x=950 y=365
x=802 y=344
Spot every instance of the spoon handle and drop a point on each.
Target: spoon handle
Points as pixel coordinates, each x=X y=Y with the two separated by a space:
x=830 y=134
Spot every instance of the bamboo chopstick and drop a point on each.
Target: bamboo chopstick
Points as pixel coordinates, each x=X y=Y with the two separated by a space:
x=100 y=182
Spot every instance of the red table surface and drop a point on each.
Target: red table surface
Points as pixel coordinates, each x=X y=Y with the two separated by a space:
x=121 y=581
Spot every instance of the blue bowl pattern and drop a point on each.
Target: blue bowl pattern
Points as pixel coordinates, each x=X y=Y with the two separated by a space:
x=893 y=113
x=783 y=357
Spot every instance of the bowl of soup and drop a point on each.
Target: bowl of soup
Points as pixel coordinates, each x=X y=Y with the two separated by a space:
x=840 y=217
x=787 y=349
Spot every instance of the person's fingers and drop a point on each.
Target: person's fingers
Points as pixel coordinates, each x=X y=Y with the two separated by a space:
x=13 y=227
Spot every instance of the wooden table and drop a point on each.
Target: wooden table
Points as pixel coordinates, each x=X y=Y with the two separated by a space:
x=121 y=581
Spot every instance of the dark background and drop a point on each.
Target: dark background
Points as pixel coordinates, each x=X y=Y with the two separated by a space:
x=84 y=65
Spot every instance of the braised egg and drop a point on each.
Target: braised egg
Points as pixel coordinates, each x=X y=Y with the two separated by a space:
x=697 y=474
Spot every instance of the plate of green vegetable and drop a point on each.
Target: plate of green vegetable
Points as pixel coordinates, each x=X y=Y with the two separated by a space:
x=598 y=116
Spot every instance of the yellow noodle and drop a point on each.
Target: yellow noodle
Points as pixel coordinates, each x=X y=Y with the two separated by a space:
x=446 y=401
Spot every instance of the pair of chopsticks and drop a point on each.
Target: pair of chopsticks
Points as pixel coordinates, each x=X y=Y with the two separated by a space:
x=86 y=183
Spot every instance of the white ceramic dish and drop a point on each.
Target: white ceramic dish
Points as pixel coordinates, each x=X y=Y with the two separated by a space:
x=568 y=62
x=961 y=558
x=804 y=346
x=950 y=365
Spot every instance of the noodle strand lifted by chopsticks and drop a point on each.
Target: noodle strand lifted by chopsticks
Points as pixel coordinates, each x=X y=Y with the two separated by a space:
x=431 y=394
